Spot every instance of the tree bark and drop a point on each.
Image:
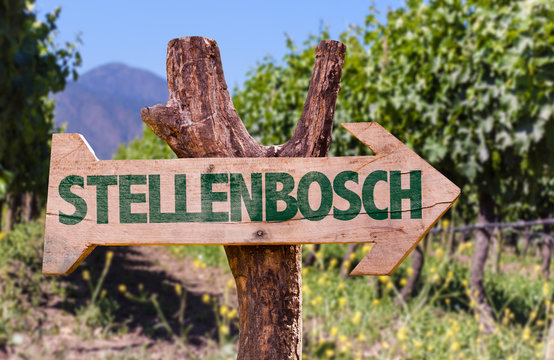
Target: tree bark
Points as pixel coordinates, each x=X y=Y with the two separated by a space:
x=417 y=266
x=199 y=120
x=483 y=238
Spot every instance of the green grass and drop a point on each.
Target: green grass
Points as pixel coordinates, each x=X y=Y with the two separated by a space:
x=352 y=318
x=358 y=317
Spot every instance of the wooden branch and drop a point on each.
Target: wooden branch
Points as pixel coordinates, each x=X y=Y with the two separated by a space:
x=199 y=120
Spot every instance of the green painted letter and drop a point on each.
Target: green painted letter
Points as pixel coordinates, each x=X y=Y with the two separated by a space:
x=348 y=195
x=368 y=198
x=303 y=198
x=252 y=202
x=101 y=182
x=397 y=194
x=272 y=196
x=155 y=214
x=208 y=197
x=80 y=204
x=126 y=198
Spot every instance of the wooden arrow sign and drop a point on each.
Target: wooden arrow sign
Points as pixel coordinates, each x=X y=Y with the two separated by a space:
x=391 y=199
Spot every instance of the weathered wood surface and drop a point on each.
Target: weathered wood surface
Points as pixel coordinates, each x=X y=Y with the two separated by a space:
x=143 y=213
x=200 y=121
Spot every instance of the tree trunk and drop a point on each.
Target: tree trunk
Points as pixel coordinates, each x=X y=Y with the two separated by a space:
x=345 y=267
x=2 y=216
x=27 y=199
x=12 y=215
x=310 y=259
x=527 y=242
x=497 y=250
x=483 y=238
x=546 y=253
x=417 y=266
x=200 y=121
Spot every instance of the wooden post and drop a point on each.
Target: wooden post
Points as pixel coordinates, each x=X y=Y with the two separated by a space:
x=200 y=120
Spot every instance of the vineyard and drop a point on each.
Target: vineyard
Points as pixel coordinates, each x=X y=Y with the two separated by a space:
x=466 y=85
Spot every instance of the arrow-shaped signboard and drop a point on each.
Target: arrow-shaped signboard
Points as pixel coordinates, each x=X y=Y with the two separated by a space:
x=391 y=199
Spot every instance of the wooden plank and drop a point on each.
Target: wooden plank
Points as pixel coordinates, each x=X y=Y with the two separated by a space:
x=391 y=199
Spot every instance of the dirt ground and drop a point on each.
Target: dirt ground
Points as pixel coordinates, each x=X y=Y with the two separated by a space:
x=57 y=333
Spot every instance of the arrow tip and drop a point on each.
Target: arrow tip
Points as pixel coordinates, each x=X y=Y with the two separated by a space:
x=374 y=136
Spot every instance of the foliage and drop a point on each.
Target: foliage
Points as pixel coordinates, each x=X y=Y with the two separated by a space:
x=148 y=147
x=466 y=84
x=32 y=67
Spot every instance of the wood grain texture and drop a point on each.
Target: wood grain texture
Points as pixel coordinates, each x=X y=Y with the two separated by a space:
x=394 y=238
x=199 y=120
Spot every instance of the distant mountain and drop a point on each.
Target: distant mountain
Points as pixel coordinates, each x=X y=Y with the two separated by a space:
x=104 y=105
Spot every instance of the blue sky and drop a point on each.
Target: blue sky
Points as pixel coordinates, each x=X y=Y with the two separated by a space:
x=137 y=32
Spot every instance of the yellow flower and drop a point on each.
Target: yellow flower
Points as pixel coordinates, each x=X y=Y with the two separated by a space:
x=342 y=301
x=409 y=272
x=447 y=301
x=352 y=256
x=526 y=334
x=109 y=256
x=401 y=333
x=318 y=255
x=545 y=289
x=403 y=282
x=418 y=344
x=316 y=301
x=224 y=329
x=533 y=315
x=383 y=279
x=390 y=285
x=306 y=289
x=537 y=269
x=445 y=223
x=334 y=331
x=322 y=279
x=376 y=302
x=366 y=248
x=343 y=339
x=356 y=318
x=333 y=263
x=178 y=289
x=346 y=264
x=439 y=253
x=103 y=294
x=361 y=337
x=341 y=286
x=465 y=283
x=230 y=283
x=232 y=314
x=455 y=346
x=122 y=288
x=329 y=353
x=385 y=345
x=86 y=275
x=430 y=348
x=206 y=299
x=223 y=310
x=432 y=270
